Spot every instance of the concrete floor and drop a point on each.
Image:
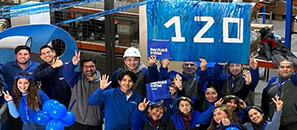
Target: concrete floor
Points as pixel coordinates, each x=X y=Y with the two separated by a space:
x=279 y=27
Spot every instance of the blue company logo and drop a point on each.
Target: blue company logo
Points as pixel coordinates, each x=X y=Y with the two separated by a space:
x=133 y=102
x=34 y=36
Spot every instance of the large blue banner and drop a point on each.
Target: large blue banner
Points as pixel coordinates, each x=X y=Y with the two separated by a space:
x=218 y=32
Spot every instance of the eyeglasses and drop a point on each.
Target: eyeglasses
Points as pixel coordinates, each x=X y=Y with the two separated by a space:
x=191 y=65
x=91 y=66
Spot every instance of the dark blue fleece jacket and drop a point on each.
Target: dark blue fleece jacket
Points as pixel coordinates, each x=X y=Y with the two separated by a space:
x=117 y=107
x=197 y=118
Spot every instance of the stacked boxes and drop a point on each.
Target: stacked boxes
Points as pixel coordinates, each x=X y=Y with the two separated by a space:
x=126 y=31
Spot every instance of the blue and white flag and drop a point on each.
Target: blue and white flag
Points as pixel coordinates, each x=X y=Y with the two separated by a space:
x=218 y=32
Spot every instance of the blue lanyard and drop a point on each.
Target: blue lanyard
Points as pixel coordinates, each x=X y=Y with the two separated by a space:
x=280 y=86
x=233 y=84
x=265 y=124
x=26 y=108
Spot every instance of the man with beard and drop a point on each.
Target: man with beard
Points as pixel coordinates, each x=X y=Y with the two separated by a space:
x=82 y=85
x=49 y=76
x=283 y=86
x=10 y=69
x=22 y=64
x=144 y=75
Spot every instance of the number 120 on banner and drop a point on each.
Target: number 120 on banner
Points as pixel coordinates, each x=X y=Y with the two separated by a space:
x=218 y=32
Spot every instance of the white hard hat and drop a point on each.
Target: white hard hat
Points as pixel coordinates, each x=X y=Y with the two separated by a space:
x=132 y=52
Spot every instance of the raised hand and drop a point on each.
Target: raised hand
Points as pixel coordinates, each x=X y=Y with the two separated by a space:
x=76 y=57
x=152 y=60
x=178 y=82
x=143 y=105
x=203 y=64
x=104 y=81
x=57 y=63
x=219 y=102
x=7 y=96
x=253 y=63
x=225 y=121
x=247 y=76
x=278 y=103
x=242 y=104
x=165 y=63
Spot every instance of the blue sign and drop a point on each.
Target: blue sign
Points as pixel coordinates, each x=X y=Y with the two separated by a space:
x=218 y=32
x=160 y=49
x=158 y=90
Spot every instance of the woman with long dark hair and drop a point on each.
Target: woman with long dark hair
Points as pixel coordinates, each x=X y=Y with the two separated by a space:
x=211 y=95
x=236 y=105
x=223 y=118
x=256 y=116
x=25 y=101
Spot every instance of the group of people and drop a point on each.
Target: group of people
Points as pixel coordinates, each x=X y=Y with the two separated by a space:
x=201 y=97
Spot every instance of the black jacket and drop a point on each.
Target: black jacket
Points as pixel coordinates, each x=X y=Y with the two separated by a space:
x=52 y=83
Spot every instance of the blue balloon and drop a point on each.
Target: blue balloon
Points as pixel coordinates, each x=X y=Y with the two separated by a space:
x=57 y=111
x=54 y=125
x=69 y=118
x=42 y=117
x=47 y=106
x=232 y=128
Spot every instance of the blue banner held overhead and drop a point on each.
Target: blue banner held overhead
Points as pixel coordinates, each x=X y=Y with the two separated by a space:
x=218 y=32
